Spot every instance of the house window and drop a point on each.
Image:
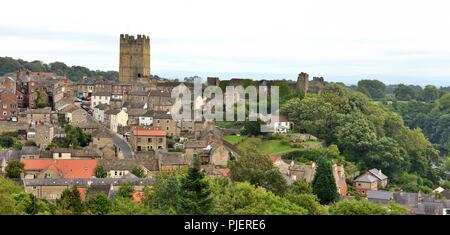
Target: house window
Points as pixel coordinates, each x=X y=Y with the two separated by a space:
x=157 y=121
x=167 y=121
x=149 y=140
x=167 y=128
x=139 y=139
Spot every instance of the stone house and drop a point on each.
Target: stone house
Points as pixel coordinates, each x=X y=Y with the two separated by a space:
x=75 y=115
x=101 y=97
x=134 y=115
x=30 y=152
x=166 y=122
x=8 y=105
x=148 y=139
x=99 y=112
x=171 y=161
x=51 y=189
x=373 y=179
x=57 y=169
x=36 y=116
x=115 y=118
x=120 y=168
x=102 y=140
x=146 y=119
x=160 y=100
x=44 y=135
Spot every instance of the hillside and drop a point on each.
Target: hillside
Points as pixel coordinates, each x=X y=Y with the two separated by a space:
x=74 y=73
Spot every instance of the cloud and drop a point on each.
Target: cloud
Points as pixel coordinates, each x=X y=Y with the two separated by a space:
x=328 y=38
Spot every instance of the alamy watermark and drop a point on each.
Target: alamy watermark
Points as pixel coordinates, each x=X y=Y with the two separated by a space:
x=239 y=104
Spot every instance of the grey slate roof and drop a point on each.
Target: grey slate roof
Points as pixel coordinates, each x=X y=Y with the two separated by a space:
x=102 y=106
x=128 y=164
x=30 y=150
x=380 y=195
x=101 y=93
x=85 y=182
x=378 y=174
x=366 y=178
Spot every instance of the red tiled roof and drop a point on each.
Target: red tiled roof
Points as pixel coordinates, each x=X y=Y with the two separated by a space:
x=137 y=196
x=70 y=168
x=274 y=158
x=143 y=132
x=223 y=171
x=83 y=192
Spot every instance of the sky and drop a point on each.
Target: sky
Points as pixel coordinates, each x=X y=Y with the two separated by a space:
x=343 y=41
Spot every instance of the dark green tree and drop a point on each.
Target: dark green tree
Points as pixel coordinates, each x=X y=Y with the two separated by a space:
x=126 y=190
x=98 y=205
x=100 y=172
x=14 y=169
x=195 y=194
x=324 y=185
x=373 y=88
x=300 y=187
x=138 y=171
x=70 y=202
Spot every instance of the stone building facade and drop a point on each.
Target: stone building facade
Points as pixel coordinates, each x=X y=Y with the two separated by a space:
x=134 y=57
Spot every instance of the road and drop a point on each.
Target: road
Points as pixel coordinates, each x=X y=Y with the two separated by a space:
x=122 y=145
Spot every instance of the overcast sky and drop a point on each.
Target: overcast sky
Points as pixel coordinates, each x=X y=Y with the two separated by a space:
x=393 y=41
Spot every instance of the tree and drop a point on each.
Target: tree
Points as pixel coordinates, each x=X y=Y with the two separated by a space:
x=165 y=194
x=98 y=205
x=126 y=206
x=195 y=194
x=430 y=93
x=252 y=128
x=364 y=207
x=324 y=185
x=405 y=93
x=70 y=202
x=246 y=199
x=126 y=190
x=138 y=171
x=256 y=168
x=100 y=172
x=307 y=201
x=300 y=187
x=9 y=198
x=373 y=88
x=443 y=104
x=14 y=169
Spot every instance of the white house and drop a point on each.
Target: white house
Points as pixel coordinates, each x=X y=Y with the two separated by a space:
x=116 y=118
x=146 y=119
x=100 y=98
x=99 y=112
x=283 y=125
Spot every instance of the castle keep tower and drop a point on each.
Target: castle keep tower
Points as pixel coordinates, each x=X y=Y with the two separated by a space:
x=303 y=82
x=134 y=57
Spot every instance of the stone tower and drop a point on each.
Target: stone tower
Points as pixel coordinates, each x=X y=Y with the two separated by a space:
x=302 y=82
x=134 y=57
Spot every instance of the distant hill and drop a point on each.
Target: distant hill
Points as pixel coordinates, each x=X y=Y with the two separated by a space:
x=74 y=73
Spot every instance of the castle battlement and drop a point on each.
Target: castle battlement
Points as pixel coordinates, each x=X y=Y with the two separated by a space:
x=134 y=57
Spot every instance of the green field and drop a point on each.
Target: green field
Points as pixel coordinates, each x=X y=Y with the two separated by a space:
x=275 y=147
x=234 y=139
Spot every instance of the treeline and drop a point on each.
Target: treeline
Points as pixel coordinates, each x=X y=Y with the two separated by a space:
x=369 y=134
x=377 y=90
x=74 y=73
x=425 y=108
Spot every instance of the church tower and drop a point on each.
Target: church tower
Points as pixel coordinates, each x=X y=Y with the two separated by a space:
x=134 y=57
